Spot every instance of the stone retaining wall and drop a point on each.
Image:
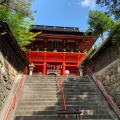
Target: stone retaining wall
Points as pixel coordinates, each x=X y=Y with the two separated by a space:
x=110 y=78
x=7 y=77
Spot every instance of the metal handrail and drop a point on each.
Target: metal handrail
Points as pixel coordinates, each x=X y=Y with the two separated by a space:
x=109 y=100
x=63 y=97
x=13 y=101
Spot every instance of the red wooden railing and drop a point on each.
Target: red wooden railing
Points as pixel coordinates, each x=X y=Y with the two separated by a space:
x=63 y=97
x=13 y=101
x=109 y=100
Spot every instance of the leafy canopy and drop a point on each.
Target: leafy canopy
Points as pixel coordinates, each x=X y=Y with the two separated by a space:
x=113 y=7
x=99 y=23
x=23 y=6
x=19 y=24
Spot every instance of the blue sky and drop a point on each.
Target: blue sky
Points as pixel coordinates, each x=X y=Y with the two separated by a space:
x=66 y=13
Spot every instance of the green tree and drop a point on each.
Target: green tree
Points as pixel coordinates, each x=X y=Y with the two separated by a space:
x=116 y=30
x=113 y=7
x=19 y=24
x=99 y=23
x=23 y=6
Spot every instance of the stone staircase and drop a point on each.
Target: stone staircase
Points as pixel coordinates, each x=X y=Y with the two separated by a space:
x=81 y=95
x=41 y=98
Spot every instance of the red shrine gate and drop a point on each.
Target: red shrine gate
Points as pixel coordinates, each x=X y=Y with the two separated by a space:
x=52 y=62
x=58 y=49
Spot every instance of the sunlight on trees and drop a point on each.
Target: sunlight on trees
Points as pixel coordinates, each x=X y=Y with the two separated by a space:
x=19 y=22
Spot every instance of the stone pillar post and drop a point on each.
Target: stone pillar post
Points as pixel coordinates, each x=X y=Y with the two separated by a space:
x=31 y=68
x=81 y=70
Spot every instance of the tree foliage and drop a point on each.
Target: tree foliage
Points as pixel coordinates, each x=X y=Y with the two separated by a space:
x=23 y=6
x=113 y=7
x=99 y=23
x=19 y=24
x=116 y=37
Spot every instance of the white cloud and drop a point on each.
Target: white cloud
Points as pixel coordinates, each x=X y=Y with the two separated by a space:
x=88 y=3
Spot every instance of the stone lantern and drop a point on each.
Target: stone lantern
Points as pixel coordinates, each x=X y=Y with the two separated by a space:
x=81 y=70
x=31 y=68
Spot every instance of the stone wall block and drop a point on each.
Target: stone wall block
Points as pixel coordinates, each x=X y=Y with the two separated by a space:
x=1 y=79
x=117 y=77
x=103 y=77
x=112 y=81
x=106 y=83
x=117 y=98
x=118 y=87
x=1 y=104
x=1 y=96
x=8 y=85
x=1 y=87
x=108 y=77
x=6 y=93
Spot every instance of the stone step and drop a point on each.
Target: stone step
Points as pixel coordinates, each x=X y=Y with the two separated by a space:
x=45 y=92
x=78 y=87
x=40 y=100
x=51 y=112
x=78 y=92
x=82 y=89
x=38 y=103
x=77 y=83
x=43 y=78
x=78 y=80
x=72 y=103
x=58 y=99
x=58 y=107
x=90 y=107
x=81 y=96
x=40 y=82
x=35 y=89
x=38 y=96
x=39 y=108
x=40 y=85
x=71 y=117
x=41 y=88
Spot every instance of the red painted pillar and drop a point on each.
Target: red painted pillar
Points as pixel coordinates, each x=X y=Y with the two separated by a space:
x=44 y=68
x=63 y=68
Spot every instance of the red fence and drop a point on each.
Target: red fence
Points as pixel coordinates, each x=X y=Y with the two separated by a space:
x=109 y=100
x=63 y=97
x=13 y=102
